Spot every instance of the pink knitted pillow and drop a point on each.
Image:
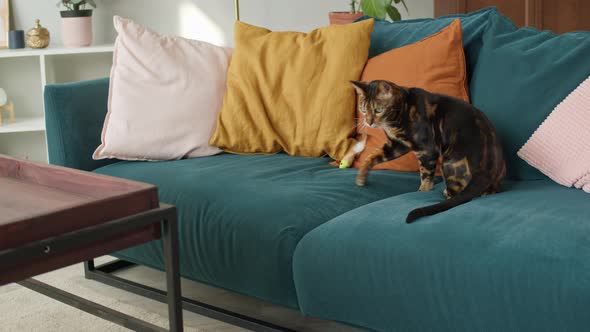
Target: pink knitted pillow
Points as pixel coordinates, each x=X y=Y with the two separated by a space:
x=560 y=147
x=165 y=95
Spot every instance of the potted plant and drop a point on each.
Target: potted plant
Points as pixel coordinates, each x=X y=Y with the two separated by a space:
x=76 y=22
x=382 y=9
x=347 y=17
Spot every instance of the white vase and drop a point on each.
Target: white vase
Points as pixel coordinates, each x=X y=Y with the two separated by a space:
x=3 y=97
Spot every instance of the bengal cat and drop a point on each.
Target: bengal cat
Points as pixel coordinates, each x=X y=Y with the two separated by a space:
x=433 y=125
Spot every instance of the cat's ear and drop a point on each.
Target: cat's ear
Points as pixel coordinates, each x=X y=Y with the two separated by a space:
x=360 y=87
x=385 y=90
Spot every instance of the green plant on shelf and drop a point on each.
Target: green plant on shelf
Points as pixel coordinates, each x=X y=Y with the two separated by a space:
x=380 y=9
x=76 y=5
x=354 y=6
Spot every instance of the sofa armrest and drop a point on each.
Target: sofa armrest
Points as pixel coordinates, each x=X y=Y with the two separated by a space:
x=74 y=116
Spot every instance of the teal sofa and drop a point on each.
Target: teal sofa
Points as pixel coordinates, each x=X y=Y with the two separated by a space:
x=297 y=232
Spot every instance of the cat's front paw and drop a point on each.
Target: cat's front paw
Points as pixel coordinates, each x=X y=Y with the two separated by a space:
x=426 y=186
x=446 y=194
x=361 y=181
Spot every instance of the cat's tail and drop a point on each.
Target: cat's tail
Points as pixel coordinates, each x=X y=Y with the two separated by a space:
x=473 y=190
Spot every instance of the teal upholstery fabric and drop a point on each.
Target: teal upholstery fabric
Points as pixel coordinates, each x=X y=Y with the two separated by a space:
x=521 y=75
x=389 y=35
x=514 y=261
x=74 y=115
x=241 y=216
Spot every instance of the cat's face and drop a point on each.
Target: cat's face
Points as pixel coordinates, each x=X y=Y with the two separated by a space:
x=380 y=102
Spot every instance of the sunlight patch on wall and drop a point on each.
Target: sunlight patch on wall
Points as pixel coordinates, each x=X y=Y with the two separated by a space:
x=195 y=24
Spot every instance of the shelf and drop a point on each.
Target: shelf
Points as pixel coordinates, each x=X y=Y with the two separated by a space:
x=21 y=125
x=57 y=50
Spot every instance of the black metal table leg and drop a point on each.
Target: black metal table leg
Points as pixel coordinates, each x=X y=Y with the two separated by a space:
x=89 y=306
x=106 y=274
x=165 y=216
x=170 y=241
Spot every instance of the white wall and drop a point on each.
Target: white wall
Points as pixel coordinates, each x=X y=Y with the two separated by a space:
x=210 y=20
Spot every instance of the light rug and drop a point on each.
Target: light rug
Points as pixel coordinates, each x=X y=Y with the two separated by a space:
x=24 y=310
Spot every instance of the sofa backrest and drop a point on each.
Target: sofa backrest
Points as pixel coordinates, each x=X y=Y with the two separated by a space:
x=520 y=76
x=389 y=35
x=517 y=76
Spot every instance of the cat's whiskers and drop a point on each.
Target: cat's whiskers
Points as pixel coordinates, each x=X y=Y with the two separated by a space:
x=360 y=124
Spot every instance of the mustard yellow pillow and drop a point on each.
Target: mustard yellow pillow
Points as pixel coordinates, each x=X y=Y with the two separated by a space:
x=290 y=91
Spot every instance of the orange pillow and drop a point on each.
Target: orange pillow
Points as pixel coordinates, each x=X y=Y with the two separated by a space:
x=436 y=64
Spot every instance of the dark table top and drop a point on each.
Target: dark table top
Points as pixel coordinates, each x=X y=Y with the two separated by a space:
x=42 y=204
x=39 y=201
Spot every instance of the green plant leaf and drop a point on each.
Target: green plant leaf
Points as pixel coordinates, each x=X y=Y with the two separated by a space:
x=376 y=8
x=73 y=4
x=403 y=3
x=394 y=13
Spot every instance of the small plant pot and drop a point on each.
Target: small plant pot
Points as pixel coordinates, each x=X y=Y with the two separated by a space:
x=344 y=17
x=76 y=28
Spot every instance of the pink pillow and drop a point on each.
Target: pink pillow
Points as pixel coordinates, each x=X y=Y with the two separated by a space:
x=560 y=147
x=165 y=95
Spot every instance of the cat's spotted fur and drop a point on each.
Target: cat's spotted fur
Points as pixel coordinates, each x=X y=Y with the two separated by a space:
x=432 y=126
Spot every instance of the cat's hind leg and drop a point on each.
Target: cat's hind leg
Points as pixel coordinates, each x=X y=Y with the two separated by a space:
x=493 y=189
x=457 y=175
x=446 y=194
x=428 y=161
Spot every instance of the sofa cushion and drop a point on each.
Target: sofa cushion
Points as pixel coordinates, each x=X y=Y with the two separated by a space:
x=290 y=91
x=389 y=35
x=515 y=261
x=238 y=229
x=160 y=105
x=521 y=75
x=554 y=148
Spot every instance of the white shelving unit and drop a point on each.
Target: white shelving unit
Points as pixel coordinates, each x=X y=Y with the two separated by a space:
x=24 y=74
x=23 y=125
x=8 y=53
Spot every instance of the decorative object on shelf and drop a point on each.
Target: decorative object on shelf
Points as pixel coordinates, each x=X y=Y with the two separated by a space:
x=4 y=22
x=6 y=105
x=382 y=9
x=38 y=36
x=347 y=17
x=3 y=97
x=76 y=22
x=16 y=39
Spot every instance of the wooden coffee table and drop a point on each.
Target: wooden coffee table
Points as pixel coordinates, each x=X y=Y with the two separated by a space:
x=52 y=217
